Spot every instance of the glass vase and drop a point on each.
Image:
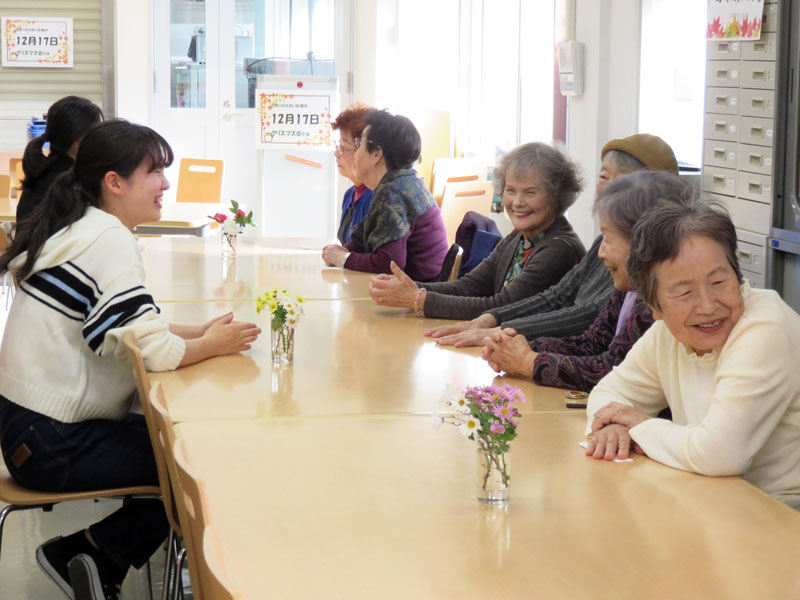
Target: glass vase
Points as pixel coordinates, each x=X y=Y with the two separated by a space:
x=493 y=476
x=228 y=241
x=282 y=343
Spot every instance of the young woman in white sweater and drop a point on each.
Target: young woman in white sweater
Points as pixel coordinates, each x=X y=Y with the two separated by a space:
x=65 y=385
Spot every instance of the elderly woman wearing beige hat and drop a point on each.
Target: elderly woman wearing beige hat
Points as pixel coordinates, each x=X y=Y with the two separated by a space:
x=570 y=306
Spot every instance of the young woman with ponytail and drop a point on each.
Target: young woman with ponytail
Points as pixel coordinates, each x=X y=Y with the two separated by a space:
x=68 y=120
x=65 y=383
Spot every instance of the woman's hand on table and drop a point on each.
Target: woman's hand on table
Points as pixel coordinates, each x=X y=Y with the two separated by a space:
x=509 y=352
x=222 y=337
x=465 y=333
x=610 y=442
x=618 y=414
x=395 y=290
x=334 y=255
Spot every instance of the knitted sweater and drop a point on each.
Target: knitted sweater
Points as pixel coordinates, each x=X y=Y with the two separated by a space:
x=566 y=308
x=735 y=411
x=483 y=288
x=579 y=362
x=62 y=353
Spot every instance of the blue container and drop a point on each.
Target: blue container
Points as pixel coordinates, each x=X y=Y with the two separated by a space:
x=36 y=127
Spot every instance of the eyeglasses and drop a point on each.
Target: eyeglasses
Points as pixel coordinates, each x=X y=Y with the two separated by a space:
x=344 y=150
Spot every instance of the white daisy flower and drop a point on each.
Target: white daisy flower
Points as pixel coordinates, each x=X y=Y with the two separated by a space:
x=469 y=426
x=459 y=404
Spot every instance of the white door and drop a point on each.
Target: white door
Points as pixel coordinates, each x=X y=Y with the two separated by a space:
x=208 y=57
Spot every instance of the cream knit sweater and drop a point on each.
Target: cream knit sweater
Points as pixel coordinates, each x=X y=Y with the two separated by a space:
x=736 y=411
x=62 y=353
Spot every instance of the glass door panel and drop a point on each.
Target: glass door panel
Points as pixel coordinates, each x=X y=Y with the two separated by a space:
x=187 y=54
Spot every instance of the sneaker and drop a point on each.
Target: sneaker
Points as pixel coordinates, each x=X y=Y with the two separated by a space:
x=54 y=560
x=93 y=582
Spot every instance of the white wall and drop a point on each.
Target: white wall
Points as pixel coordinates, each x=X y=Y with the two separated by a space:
x=609 y=106
x=133 y=72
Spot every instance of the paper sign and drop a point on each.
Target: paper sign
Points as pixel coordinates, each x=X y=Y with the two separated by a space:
x=289 y=118
x=734 y=19
x=37 y=42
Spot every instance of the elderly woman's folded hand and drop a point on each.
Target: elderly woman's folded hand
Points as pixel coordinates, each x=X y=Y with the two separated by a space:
x=509 y=352
x=334 y=255
x=394 y=290
x=619 y=414
x=610 y=442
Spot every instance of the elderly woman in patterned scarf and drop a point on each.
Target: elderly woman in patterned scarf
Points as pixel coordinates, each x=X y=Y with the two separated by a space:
x=404 y=224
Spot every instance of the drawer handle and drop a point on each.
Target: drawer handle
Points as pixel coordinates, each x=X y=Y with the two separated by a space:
x=753 y=187
x=757 y=131
x=719 y=153
x=759 y=47
x=720 y=126
x=755 y=159
x=759 y=75
x=722 y=47
x=718 y=180
x=744 y=256
x=757 y=103
x=722 y=73
x=722 y=101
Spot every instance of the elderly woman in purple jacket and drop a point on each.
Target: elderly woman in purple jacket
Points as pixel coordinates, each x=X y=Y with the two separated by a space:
x=404 y=225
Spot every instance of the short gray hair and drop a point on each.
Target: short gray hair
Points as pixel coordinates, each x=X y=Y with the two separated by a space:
x=560 y=176
x=658 y=235
x=625 y=162
x=628 y=197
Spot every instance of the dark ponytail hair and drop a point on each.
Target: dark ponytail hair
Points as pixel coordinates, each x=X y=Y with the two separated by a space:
x=68 y=120
x=116 y=146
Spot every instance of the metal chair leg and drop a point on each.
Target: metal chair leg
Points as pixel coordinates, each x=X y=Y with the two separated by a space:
x=168 y=562
x=178 y=583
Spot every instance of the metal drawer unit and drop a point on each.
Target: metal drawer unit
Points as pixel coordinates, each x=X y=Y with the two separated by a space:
x=739 y=137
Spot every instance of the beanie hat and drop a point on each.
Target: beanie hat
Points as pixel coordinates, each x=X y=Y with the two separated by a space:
x=650 y=150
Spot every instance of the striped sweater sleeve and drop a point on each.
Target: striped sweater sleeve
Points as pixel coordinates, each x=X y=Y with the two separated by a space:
x=104 y=288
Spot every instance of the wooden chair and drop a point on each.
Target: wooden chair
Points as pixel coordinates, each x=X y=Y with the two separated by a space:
x=460 y=198
x=19 y=498
x=143 y=388
x=454 y=170
x=200 y=180
x=5 y=186
x=218 y=587
x=187 y=515
x=192 y=507
x=451 y=264
x=17 y=175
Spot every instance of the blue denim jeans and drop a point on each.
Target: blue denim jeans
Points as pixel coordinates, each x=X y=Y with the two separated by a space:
x=48 y=455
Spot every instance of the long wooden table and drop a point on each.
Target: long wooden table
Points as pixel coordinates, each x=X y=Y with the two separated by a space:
x=351 y=357
x=385 y=508
x=329 y=479
x=181 y=268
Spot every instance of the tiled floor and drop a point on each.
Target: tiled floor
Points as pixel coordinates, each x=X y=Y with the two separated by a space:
x=20 y=576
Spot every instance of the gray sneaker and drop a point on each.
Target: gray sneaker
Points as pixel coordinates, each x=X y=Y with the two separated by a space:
x=89 y=583
x=52 y=560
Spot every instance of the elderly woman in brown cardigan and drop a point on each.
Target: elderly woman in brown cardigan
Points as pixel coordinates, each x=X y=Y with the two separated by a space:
x=537 y=183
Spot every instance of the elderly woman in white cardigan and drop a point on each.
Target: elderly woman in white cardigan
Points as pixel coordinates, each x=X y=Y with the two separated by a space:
x=722 y=356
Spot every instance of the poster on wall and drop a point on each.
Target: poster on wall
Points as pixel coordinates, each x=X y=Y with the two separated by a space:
x=37 y=42
x=294 y=118
x=734 y=19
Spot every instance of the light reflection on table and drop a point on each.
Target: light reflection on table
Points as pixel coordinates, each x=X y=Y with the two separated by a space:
x=350 y=358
